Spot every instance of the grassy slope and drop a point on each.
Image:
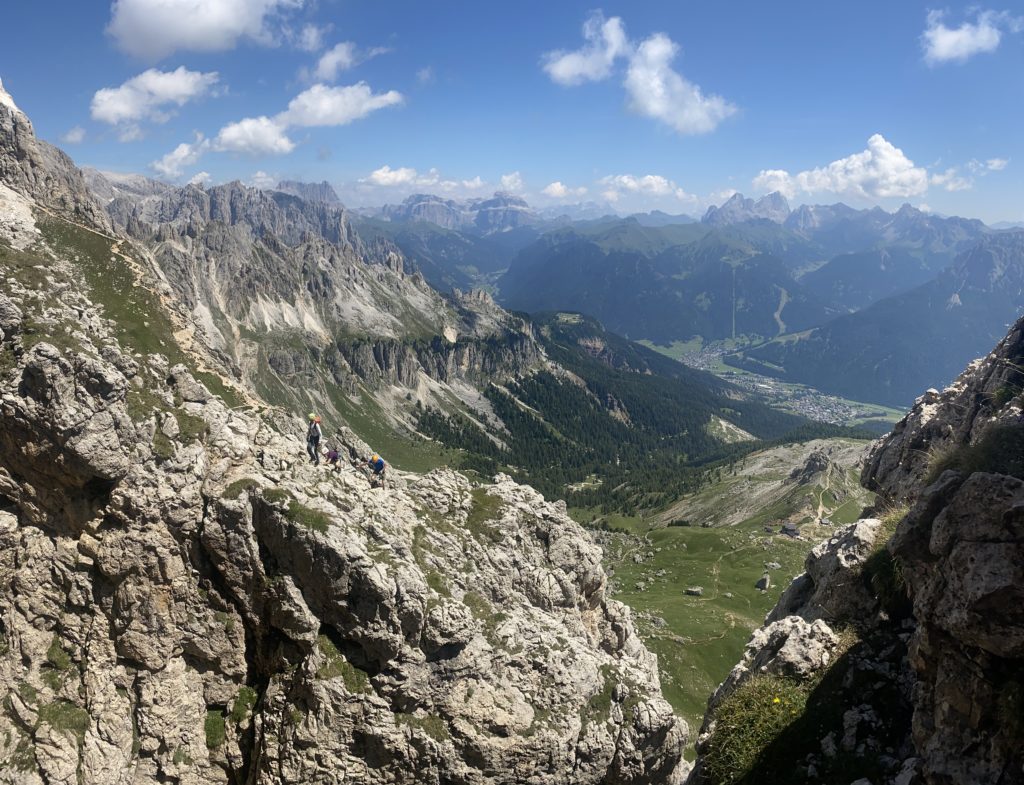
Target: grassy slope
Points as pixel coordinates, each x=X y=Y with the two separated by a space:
x=703 y=637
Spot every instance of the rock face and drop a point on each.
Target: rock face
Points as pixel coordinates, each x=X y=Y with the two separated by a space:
x=312 y=192
x=736 y=209
x=933 y=684
x=986 y=395
x=501 y=212
x=41 y=171
x=185 y=597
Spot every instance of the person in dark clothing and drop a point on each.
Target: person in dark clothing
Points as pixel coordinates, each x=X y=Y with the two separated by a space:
x=313 y=436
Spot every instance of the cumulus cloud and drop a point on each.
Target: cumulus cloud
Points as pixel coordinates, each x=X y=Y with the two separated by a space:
x=880 y=171
x=559 y=190
x=387 y=176
x=512 y=182
x=996 y=164
x=653 y=88
x=152 y=29
x=405 y=177
x=254 y=136
x=200 y=179
x=149 y=96
x=606 y=41
x=74 y=135
x=657 y=91
x=321 y=105
x=943 y=44
x=618 y=185
x=173 y=165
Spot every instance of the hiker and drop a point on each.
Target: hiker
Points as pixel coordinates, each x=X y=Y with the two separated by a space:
x=332 y=459
x=378 y=467
x=313 y=435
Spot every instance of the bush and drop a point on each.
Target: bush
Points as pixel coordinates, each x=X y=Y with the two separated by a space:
x=234 y=490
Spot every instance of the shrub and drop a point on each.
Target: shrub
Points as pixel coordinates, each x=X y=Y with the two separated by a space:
x=64 y=715
x=234 y=490
x=243 y=703
x=336 y=665
x=485 y=508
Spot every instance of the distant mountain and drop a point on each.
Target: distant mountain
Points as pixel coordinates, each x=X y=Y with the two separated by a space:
x=737 y=209
x=499 y=213
x=110 y=185
x=448 y=259
x=582 y=211
x=666 y=283
x=321 y=192
x=891 y=350
x=856 y=280
x=659 y=218
x=1004 y=225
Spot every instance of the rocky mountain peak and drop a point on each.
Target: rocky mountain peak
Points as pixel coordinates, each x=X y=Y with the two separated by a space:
x=773 y=207
x=40 y=171
x=322 y=192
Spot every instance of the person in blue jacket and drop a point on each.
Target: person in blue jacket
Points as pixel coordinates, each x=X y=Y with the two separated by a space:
x=378 y=469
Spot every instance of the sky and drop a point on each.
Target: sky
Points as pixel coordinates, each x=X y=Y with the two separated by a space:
x=645 y=105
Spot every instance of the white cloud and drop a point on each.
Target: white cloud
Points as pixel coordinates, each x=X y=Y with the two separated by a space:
x=387 y=176
x=942 y=44
x=951 y=180
x=321 y=105
x=425 y=75
x=605 y=42
x=475 y=184
x=200 y=178
x=512 y=182
x=74 y=135
x=771 y=180
x=657 y=91
x=996 y=164
x=338 y=58
x=254 y=136
x=559 y=190
x=880 y=171
x=172 y=165
x=148 y=96
x=648 y=185
x=311 y=38
x=152 y=29
x=261 y=179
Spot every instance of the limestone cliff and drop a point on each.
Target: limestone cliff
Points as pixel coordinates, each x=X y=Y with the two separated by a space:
x=186 y=599
x=903 y=658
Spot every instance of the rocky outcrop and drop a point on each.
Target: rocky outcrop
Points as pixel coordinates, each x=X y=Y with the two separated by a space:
x=184 y=597
x=40 y=171
x=985 y=395
x=933 y=686
x=737 y=209
x=311 y=192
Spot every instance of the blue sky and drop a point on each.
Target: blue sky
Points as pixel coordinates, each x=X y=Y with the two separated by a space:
x=668 y=105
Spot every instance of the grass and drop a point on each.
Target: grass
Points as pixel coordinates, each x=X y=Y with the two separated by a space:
x=599 y=707
x=235 y=489
x=190 y=428
x=58 y=664
x=883 y=572
x=435 y=727
x=296 y=511
x=243 y=704
x=748 y=721
x=484 y=613
x=485 y=508
x=63 y=715
x=1000 y=450
x=215 y=729
x=336 y=665
x=760 y=742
